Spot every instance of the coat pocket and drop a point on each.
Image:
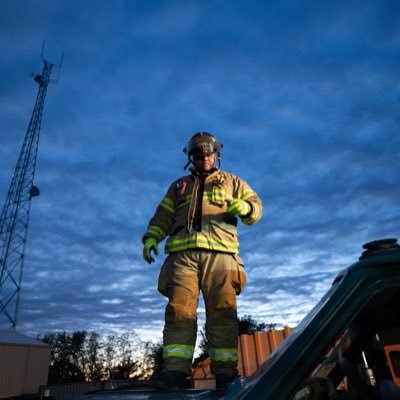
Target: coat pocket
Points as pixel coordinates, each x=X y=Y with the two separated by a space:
x=163 y=279
x=238 y=278
x=218 y=195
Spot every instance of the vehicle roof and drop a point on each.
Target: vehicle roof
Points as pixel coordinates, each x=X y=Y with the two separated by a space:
x=145 y=394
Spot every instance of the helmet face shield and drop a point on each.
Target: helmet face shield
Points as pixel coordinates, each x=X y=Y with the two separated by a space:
x=201 y=149
x=202 y=143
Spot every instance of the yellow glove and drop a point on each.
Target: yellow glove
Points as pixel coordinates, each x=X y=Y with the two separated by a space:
x=149 y=245
x=239 y=207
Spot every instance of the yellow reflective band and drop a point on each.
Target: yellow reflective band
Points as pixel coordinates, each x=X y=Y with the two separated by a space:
x=220 y=192
x=246 y=194
x=216 y=195
x=227 y=354
x=178 y=350
x=156 y=231
x=254 y=216
x=202 y=243
x=168 y=204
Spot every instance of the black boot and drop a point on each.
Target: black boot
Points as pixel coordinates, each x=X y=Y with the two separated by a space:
x=169 y=380
x=221 y=380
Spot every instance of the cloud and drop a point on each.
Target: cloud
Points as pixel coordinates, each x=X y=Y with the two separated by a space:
x=304 y=98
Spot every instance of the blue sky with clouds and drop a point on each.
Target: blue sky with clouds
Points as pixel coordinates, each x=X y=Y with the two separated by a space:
x=303 y=95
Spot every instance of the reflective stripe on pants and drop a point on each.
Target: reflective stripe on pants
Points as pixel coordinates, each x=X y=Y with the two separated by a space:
x=230 y=354
x=178 y=350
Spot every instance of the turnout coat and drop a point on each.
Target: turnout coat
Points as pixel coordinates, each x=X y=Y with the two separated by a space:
x=193 y=213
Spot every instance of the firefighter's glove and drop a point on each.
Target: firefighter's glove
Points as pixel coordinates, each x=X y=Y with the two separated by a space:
x=149 y=245
x=239 y=207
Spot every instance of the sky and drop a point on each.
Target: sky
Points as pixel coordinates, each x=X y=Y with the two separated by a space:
x=303 y=95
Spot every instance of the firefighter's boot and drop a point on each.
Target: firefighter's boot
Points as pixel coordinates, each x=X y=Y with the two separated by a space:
x=169 y=380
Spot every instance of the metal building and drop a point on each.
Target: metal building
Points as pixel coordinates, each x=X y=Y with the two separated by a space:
x=24 y=364
x=253 y=350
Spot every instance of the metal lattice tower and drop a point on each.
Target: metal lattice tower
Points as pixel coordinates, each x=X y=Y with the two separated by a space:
x=14 y=217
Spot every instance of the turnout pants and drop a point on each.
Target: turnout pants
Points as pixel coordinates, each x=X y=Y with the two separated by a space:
x=220 y=277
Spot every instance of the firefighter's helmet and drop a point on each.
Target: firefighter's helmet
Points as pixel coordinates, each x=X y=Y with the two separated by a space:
x=202 y=143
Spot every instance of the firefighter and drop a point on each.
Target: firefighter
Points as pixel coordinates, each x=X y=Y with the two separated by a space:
x=199 y=215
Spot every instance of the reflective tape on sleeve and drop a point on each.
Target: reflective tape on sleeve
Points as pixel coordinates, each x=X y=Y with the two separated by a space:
x=168 y=204
x=254 y=216
x=156 y=231
x=246 y=194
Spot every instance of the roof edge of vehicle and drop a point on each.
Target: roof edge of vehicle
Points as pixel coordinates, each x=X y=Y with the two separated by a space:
x=348 y=292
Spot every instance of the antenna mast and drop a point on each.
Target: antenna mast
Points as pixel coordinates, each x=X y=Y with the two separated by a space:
x=14 y=217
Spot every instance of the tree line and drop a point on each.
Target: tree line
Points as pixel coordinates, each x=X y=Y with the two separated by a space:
x=88 y=356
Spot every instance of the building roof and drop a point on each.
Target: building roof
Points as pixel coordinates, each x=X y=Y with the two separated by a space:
x=15 y=338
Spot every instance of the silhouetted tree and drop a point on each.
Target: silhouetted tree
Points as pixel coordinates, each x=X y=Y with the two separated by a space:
x=66 y=353
x=153 y=357
x=77 y=342
x=94 y=358
x=247 y=325
x=110 y=355
x=121 y=353
x=82 y=356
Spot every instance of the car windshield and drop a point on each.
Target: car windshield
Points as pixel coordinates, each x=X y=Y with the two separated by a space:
x=301 y=326
x=366 y=352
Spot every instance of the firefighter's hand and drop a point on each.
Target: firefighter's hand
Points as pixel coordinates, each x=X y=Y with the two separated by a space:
x=239 y=207
x=149 y=245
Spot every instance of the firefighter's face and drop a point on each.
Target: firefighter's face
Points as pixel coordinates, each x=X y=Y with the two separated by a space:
x=204 y=162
